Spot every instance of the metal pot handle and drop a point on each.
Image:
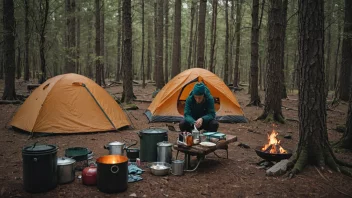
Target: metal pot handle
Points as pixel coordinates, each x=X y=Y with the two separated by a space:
x=114 y=171
x=106 y=147
x=139 y=134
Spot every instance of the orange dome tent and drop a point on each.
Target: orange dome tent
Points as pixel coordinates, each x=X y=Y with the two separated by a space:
x=69 y=103
x=168 y=105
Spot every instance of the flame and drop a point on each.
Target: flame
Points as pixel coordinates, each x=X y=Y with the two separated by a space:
x=274 y=143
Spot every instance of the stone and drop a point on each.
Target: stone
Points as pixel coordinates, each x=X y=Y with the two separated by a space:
x=278 y=169
x=133 y=195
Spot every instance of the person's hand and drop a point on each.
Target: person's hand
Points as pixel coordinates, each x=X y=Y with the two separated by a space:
x=199 y=122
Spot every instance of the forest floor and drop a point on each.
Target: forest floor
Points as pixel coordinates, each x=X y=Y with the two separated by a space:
x=238 y=176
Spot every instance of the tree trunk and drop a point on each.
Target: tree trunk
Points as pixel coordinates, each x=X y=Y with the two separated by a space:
x=189 y=59
x=238 y=43
x=149 y=46
x=282 y=57
x=78 y=44
x=102 y=43
x=313 y=146
x=226 y=68
x=142 y=58
x=119 y=29
x=18 y=68
x=346 y=140
x=346 y=62
x=337 y=55
x=71 y=36
x=97 y=43
x=2 y=61
x=176 y=54
x=43 y=20
x=201 y=33
x=89 y=63
x=255 y=99
x=159 y=46
x=127 y=57
x=272 y=110
x=9 y=50
x=166 y=14
x=26 y=40
x=328 y=47
x=195 y=38
x=155 y=70
x=213 y=35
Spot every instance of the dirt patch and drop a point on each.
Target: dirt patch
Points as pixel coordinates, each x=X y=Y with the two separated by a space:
x=238 y=176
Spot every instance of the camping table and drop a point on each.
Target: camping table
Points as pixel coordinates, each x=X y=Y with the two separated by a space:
x=202 y=151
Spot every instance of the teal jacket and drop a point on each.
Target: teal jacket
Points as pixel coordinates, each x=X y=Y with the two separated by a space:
x=205 y=110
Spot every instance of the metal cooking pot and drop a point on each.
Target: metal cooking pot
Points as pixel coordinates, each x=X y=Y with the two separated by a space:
x=148 y=143
x=132 y=154
x=164 y=152
x=112 y=173
x=65 y=170
x=177 y=167
x=117 y=148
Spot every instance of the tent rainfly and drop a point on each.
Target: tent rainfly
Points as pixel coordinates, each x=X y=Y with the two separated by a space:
x=69 y=103
x=168 y=105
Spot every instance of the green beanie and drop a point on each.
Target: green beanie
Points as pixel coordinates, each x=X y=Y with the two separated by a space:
x=199 y=89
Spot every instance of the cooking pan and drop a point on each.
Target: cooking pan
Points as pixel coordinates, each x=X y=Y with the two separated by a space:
x=271 y=156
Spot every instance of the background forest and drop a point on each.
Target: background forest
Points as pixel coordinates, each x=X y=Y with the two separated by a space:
x=55 y=37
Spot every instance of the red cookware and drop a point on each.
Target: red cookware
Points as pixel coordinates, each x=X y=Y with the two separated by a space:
x=89 y=175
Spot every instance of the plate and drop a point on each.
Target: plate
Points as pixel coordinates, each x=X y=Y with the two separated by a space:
x=208 y=133
x=207 y=144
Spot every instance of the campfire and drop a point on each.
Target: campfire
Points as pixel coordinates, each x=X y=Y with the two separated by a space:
x=273 y=145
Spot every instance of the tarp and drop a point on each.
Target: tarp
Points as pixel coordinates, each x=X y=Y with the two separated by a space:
x=168 y=105
x=69 y=103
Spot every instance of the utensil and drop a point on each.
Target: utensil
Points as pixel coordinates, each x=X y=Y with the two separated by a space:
x=177 y=167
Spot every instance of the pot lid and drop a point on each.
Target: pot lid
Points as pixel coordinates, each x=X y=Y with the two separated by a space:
x=65 y=161
x=116 y=143
x=39 y=148
x=164 y=144
x=154 y=131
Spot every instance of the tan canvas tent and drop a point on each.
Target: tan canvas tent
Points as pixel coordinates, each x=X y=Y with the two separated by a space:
x=69 y=103
x=168 y=105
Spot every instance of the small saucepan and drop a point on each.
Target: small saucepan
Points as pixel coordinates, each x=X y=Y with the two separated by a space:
x=132 y=154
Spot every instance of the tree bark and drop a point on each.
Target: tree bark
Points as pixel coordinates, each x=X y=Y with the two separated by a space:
x=97 y=43
x=189 y=59
x=127 y=58
x=78 y=32
x=119 y=51
x=328 y=47
x=159 y=46
x=1 y=61
x=89 y=63
x=238 y=43
x=155 y=68
x=272 y=110
x=71 y=36
x=346 y=62
x=282 y=57
x=142 y=58
x=226 y=68
x=313 y=146
x=43 y=20
x=102 y=42
x=26 y=40
x=150 y=50
x=201 y=33
x=195 y=38
x=213 y=35
x=18 y=68
x=255 y=99
x=9 y=50
x=166 y=14
x=176 y=54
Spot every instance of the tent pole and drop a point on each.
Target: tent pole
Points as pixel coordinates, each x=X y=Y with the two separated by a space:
x=101 y=108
